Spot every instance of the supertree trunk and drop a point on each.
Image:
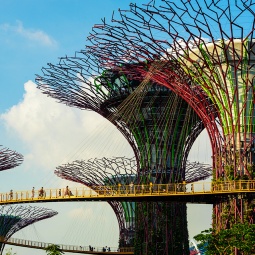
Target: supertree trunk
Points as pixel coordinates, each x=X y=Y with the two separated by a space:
x=161 y=128
x=161 y=228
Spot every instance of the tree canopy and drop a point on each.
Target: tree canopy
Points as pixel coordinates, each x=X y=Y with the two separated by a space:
x=9 y=252
x=240 y=236
x=53 y=249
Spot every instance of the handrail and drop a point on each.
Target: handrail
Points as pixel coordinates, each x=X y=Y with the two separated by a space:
x=68 y=248
x=129 y=191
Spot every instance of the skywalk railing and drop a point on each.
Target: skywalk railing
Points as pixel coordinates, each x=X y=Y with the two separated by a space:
x=68 y=248
x=128 y=191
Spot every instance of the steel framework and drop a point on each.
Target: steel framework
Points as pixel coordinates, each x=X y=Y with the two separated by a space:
x=207 y=58
x=14 y=218
x=9 y=159
x=160 y=125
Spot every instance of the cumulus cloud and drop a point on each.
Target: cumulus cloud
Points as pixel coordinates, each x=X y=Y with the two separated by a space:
x=32 y=35
x=55 y=134
x=81 y=212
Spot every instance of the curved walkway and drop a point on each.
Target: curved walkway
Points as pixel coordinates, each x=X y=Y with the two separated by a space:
x=198 y=192
x=66 y=248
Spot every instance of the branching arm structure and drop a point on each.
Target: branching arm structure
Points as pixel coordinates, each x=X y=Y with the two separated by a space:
x=9 y=159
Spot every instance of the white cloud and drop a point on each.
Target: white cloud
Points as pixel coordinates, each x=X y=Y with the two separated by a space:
x=32 y=35
x=54 y=134
x=81 y=212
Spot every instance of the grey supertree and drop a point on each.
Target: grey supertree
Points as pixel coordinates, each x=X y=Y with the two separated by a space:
x=14 y=218
x=9 y=159
x=96 y=173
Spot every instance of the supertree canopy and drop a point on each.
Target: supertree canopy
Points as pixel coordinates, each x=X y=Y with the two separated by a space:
x=160 y=127
x=9 y=159
x=14 y=218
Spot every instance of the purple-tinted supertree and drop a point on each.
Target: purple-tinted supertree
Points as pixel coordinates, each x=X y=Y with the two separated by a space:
x=14 y=218
x=9 y=159
x=211 y=43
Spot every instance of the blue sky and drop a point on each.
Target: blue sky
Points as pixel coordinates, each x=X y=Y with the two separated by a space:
x=32 y=34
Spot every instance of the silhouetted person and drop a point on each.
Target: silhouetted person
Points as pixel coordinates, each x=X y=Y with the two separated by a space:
x=67 y=192
x=11 y=194
x=33 y=193
x=41 y=192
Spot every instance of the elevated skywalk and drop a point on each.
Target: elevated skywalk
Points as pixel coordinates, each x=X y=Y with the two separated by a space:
x=198 y=192
x=68 y=248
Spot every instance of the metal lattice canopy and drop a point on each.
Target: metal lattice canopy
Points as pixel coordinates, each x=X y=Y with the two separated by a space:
x=158 y=124
x=100 y=172
x=9 y=159
x=14 y=218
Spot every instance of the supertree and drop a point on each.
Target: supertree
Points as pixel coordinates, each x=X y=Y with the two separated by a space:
x=211 y=43
x=9 y=159
x=96 y=173
x=14 y=218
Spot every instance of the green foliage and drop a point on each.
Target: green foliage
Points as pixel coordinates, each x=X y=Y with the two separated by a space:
x=240 y=236
x=9 y=252
x=245 y=177
x=229 y=171
x=53 y=249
